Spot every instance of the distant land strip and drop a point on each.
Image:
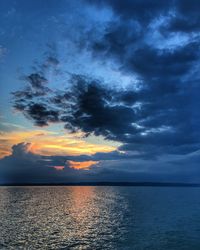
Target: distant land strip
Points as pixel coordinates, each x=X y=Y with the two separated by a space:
x=126 y=184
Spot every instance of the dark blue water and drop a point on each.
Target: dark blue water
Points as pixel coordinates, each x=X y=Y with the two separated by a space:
x=100 y=218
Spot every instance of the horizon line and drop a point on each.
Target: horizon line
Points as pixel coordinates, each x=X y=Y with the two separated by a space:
x=105 y=183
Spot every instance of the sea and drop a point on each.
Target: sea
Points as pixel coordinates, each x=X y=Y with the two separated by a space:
x=100 y=217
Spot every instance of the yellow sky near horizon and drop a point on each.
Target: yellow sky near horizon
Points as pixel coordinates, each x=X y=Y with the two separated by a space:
x=45 y=142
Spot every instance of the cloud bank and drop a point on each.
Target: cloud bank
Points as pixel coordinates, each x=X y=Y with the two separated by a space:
x=23 y=166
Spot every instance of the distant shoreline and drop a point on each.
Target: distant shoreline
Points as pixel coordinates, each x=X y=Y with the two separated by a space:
x=124 y=184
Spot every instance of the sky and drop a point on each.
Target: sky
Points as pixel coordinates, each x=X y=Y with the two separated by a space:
x=103 y=90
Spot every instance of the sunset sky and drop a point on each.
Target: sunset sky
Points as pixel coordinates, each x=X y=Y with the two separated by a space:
x=102 y=90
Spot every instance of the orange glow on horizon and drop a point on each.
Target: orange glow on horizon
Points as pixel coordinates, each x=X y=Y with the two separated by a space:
x=86 y=165
x=59 y=168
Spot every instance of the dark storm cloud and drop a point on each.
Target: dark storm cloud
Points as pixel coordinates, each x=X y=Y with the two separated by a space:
x=161 y=116
x=117 y=38
x=36 y=81
x=140 y=10
x=167 y=117
x=149 y=62
x=40 y=113
x=36 y=86
x=184 y=14
x=31 y=100
x=127 y=46
x=186 y=18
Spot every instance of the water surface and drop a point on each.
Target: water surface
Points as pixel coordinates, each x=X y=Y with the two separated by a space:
x=100 y=218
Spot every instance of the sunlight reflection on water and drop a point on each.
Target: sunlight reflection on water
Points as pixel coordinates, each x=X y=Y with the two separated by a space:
x=99 y=218
x=60 y=217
